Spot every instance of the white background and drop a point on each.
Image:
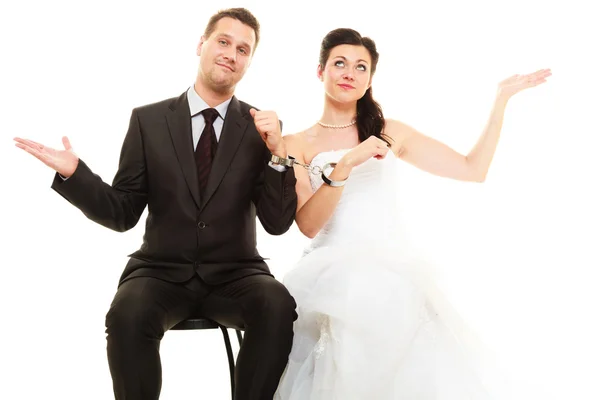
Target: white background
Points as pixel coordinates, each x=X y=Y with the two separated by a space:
x=518 y=253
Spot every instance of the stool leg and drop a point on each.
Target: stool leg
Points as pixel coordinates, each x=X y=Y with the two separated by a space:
x=239 y=336
x=230 y=358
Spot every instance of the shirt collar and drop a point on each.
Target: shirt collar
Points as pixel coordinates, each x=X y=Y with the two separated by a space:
x=197 y=104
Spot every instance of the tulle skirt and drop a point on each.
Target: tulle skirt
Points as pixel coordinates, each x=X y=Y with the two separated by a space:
x=373 y=325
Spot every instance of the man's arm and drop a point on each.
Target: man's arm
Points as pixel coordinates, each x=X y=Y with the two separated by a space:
x=117 y=206
x=275 y=198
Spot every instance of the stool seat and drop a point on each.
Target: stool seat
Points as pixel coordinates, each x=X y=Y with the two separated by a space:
x=195 y=323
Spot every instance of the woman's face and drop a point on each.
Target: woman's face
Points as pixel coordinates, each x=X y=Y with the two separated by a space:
x=347 y=74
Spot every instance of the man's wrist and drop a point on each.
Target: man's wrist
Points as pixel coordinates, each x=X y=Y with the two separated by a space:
x=280 y=151
x=287 y=161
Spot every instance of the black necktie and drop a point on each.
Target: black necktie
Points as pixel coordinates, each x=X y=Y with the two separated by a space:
x=206 y=147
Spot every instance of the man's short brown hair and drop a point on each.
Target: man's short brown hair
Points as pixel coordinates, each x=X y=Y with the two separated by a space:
x=241 y=14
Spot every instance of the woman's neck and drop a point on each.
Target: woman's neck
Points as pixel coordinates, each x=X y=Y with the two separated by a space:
x=336 y=113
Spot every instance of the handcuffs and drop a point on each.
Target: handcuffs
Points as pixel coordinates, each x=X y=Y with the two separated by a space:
x=315 y=170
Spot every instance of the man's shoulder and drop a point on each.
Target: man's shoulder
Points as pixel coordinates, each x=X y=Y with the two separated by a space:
x=161 y=105
x=246 y=106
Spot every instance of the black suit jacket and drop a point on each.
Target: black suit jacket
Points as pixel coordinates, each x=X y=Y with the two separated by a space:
x=213 y=234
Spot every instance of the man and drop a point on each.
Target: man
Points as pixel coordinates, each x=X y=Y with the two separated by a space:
x=199 y=253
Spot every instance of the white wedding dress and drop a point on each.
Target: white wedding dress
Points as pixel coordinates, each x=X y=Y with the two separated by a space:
x=372 y=325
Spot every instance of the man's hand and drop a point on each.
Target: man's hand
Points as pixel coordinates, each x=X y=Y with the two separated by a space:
x=62 y=161
x=267 y=125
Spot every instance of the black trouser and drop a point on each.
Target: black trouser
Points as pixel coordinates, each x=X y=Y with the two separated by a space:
x=145 y=308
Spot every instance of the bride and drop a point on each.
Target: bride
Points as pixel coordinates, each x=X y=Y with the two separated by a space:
x=371 y=323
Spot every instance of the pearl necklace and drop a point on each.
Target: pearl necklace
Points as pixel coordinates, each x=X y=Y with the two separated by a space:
x=336 y=126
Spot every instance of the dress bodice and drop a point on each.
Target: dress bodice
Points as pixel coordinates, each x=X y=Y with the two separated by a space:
x=367 y=209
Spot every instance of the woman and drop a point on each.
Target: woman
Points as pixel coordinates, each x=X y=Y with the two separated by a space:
x=371 y=323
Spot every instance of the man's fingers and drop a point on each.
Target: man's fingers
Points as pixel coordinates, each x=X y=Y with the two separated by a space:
x=268 y=126
x=31 y=150
x=259 y=115
x=66 y=143
x=30 y=143
x=263 y=115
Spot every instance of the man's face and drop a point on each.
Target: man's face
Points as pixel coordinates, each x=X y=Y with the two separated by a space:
x=226 y=54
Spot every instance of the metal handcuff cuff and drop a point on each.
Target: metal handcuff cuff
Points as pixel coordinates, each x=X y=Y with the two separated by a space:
x=315 y=170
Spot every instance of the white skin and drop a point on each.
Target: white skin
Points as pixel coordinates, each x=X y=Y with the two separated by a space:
x=346 y=76
x=225 y=56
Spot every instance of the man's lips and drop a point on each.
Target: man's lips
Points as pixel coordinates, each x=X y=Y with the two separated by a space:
x=225 y=66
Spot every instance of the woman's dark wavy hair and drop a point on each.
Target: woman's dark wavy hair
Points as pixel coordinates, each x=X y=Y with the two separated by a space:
x=369 y=116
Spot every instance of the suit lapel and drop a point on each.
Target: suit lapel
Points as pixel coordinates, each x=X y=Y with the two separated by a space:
x=180 y=128
x=234 y=128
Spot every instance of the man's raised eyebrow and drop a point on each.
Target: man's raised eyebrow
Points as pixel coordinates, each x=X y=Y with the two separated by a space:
x=228 y=36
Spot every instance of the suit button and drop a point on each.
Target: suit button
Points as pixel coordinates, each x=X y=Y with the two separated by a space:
x=201 y=225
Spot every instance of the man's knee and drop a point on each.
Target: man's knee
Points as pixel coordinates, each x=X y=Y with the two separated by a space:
x=132 y=315
x=273 y=305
